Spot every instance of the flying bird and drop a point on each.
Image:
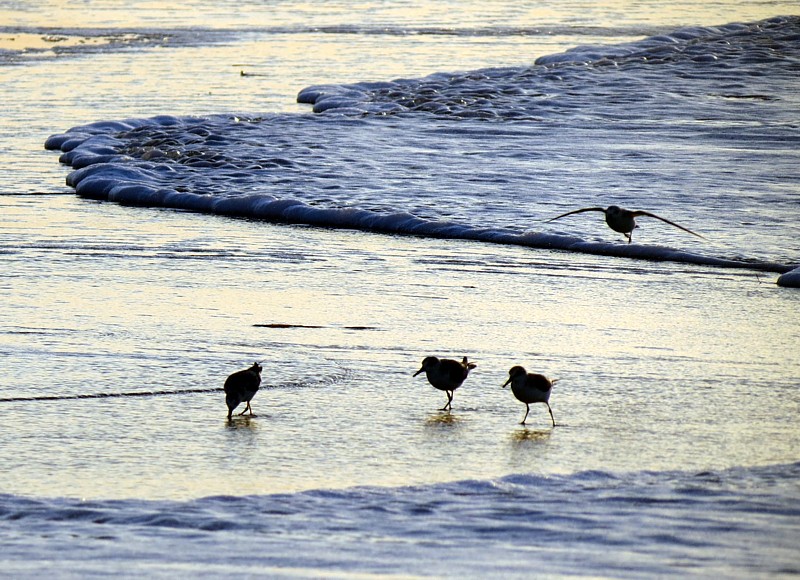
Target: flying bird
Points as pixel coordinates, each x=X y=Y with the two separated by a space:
x=623 y=220
x=530 y=388
x=241 y=387
x=446 y=375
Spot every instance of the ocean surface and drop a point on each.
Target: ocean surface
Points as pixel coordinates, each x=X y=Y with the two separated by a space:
x=338 y=190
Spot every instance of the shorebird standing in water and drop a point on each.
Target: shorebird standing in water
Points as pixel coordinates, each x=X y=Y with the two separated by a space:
x=446 y=375
x=530 y=388
x=623 y=220
x=242 y=386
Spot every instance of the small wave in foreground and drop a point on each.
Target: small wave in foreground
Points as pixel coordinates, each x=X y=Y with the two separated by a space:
x=735 y=523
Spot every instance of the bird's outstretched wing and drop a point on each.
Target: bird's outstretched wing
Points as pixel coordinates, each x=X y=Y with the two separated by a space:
x=602 y=209
x=652 y=215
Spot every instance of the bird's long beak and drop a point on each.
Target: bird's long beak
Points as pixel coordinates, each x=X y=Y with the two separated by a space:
x=506 y=383
x=419 y=371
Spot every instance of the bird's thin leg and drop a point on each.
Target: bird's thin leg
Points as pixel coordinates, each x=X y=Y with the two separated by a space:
x=629 y=236
x=245 y=409
x=449 y=404
x=527 y=410
x=553 y=419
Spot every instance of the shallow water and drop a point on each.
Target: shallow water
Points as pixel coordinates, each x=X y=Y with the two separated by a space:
x=190 y=298
x=676 y=449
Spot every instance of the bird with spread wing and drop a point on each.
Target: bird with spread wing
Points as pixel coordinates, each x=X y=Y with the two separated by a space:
x=623 y=220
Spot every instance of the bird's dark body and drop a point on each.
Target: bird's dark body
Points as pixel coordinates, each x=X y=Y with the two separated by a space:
x=445 y=374
x=451 y=377
x=530 y=388
x=241 y=387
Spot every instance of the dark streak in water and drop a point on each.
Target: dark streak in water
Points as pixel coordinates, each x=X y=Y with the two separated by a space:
x=107 y=395
x=280 y=325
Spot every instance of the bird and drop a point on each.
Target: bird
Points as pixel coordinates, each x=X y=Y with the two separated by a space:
x=446 y=375
x=242 y=386
x=530 y=388
x=623 y=220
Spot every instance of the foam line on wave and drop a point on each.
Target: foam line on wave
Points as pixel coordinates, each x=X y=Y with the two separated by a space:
x=102 y=180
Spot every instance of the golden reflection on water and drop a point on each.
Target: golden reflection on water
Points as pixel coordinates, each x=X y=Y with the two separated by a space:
x=443 y=419
x=526 y=436
x=443 y=14
x=612 y=331
x=245 y=423
x=27 y=41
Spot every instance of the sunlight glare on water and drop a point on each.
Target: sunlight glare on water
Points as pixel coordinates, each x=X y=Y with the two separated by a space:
x=253 y=14
x=122 y=300
x=340 y=321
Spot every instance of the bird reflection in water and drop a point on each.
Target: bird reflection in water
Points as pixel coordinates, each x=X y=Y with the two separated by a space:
x=443 y=419
x=241 y=423
x=526 y=436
